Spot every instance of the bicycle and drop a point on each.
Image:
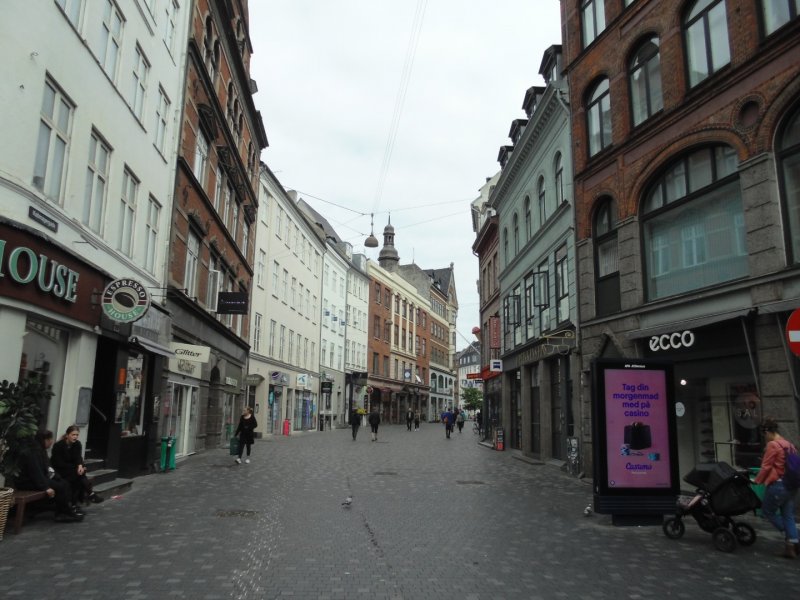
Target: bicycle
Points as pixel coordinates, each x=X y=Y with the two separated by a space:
x=476 y=428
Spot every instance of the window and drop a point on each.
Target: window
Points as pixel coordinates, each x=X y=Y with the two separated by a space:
x=515 y=222
x=593 y=20
x=607 y=296
x=542 y=202
x=201 y=157
x=530 y=305
x=261 y=268
x=558 y=165
x=96 y=179
x=290 y=352
x=598 y=115
x=257 y=333
x=127 y=210
x=53 y=141
x=170 y=12
x=788 y=155
x=706 y=37
x=376 y=327
x=692 y=223
x=272 y=327
x=162 y=115
x=275 y=270
x=542 y=295
x=71 y=8
x=528 y=226
x=151 y=234
x=141 y=68
x=110 y=39
x=505 y=245
x=192 y=261
x=282 y=342
x=285 y=288
x=778 y=13
x=562 y=285
x=645 y=80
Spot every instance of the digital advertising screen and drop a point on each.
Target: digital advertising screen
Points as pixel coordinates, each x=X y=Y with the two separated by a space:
x=634 y=427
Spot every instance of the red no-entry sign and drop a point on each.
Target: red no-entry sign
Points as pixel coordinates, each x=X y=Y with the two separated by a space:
x=793 y=332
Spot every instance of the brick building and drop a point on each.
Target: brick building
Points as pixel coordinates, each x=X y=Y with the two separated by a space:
x=686 y=138
x=211 y=248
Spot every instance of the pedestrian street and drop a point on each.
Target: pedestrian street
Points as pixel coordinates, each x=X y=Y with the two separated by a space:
x=429 y=518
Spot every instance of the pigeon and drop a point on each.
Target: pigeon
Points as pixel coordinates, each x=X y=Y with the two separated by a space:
x=587 y=512
x=347 y=502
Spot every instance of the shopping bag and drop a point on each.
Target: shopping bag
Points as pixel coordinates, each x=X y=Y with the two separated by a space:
x=234 y=446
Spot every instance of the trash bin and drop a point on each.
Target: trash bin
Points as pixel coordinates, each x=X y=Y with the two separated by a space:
x=233 y=445
x=168 y=445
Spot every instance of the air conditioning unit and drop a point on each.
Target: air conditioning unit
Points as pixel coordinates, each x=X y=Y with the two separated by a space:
x=214 y=278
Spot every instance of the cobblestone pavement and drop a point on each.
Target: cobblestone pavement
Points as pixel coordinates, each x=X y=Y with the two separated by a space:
x=430 y=518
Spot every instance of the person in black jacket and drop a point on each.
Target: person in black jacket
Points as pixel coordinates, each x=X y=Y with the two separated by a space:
x=374 y=420
x=355 y=422
x=35 y=475
x=67 y=460
x=247 y=424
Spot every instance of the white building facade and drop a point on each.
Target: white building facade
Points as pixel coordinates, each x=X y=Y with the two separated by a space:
x=91 y=97
x=284 y=367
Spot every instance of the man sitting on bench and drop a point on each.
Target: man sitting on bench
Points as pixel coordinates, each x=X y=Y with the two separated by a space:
x=35 y=474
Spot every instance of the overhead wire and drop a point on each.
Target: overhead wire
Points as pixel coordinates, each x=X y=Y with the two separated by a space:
x=405 y=78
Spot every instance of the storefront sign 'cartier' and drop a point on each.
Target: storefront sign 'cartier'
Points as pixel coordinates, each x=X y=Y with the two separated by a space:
x=24 y=266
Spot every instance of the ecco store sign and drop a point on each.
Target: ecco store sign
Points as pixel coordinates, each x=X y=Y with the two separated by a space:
x=24 y=266
x=672 y=341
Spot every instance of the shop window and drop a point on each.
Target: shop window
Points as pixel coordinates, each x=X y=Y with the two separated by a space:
x=44 y=351
x=706 y=38
x=788 y=152
x=607 y=296
x=130 y=415
x=693 y=224
x=644 y=73
x=777 y=13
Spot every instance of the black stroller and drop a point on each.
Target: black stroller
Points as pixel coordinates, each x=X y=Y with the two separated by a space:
x=722 y=493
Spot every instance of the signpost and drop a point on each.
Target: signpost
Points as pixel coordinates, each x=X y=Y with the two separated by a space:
x=793 y=332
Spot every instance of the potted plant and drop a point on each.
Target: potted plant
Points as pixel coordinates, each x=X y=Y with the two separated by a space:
x=20 y=410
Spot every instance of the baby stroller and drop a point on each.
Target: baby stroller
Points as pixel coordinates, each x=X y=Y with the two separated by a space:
x=722 y=493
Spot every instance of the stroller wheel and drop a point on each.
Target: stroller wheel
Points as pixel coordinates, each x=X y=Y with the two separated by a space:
x=674 y=528
x=745 y=534
x=724 y=540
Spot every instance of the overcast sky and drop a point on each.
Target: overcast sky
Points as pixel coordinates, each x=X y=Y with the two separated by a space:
x=329 y=76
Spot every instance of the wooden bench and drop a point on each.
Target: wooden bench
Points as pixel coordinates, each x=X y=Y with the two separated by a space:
x=21 y=499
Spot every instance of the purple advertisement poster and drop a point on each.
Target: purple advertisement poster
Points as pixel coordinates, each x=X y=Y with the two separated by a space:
x=636 y=406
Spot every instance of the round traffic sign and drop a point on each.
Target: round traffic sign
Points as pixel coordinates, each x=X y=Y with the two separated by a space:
x=369 y=389
x=793 y=332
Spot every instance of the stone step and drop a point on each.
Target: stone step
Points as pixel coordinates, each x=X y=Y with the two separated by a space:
x=93 y=464
x=99 y=476
x=114 y=487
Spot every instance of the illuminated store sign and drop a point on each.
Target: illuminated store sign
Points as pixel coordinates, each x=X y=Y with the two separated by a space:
x=24 y=266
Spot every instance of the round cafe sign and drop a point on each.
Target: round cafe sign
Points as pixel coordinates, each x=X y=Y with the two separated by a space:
x=125 y=300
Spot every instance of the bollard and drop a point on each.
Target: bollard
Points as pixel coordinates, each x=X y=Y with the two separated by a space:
x=287 y=427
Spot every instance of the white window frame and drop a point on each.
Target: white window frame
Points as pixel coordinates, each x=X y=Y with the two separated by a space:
x=151 y=233
x=201 y=157
x=111 y=39
x=96 y=183
x=52 y=148
x=139 y=74
x=127 y=208
x=192 y=263
x=162 y=118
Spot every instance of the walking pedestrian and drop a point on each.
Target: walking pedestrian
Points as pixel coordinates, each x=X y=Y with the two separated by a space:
x=460 y=421
x=479 y=419
x=409 y=419
x=355 y=422
x=374 y=420
x=779 y=502
x=416 y=421
x=447 y=419
x=247 y=424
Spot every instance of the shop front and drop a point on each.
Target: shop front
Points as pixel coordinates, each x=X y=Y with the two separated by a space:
x=179 y=409
x=718 y=401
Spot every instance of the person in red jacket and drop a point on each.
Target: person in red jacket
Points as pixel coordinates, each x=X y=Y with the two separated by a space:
x=778 y=505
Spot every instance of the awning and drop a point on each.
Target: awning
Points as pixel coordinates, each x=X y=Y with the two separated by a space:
x=151 y=346
x=778 y=307
x=686 y=324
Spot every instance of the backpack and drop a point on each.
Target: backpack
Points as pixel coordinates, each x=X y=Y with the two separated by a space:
x=791 y=469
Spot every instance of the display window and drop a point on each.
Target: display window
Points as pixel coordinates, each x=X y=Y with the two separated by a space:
x=44 y=352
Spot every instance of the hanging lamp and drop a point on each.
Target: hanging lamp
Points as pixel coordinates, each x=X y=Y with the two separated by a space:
x=371 y=241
